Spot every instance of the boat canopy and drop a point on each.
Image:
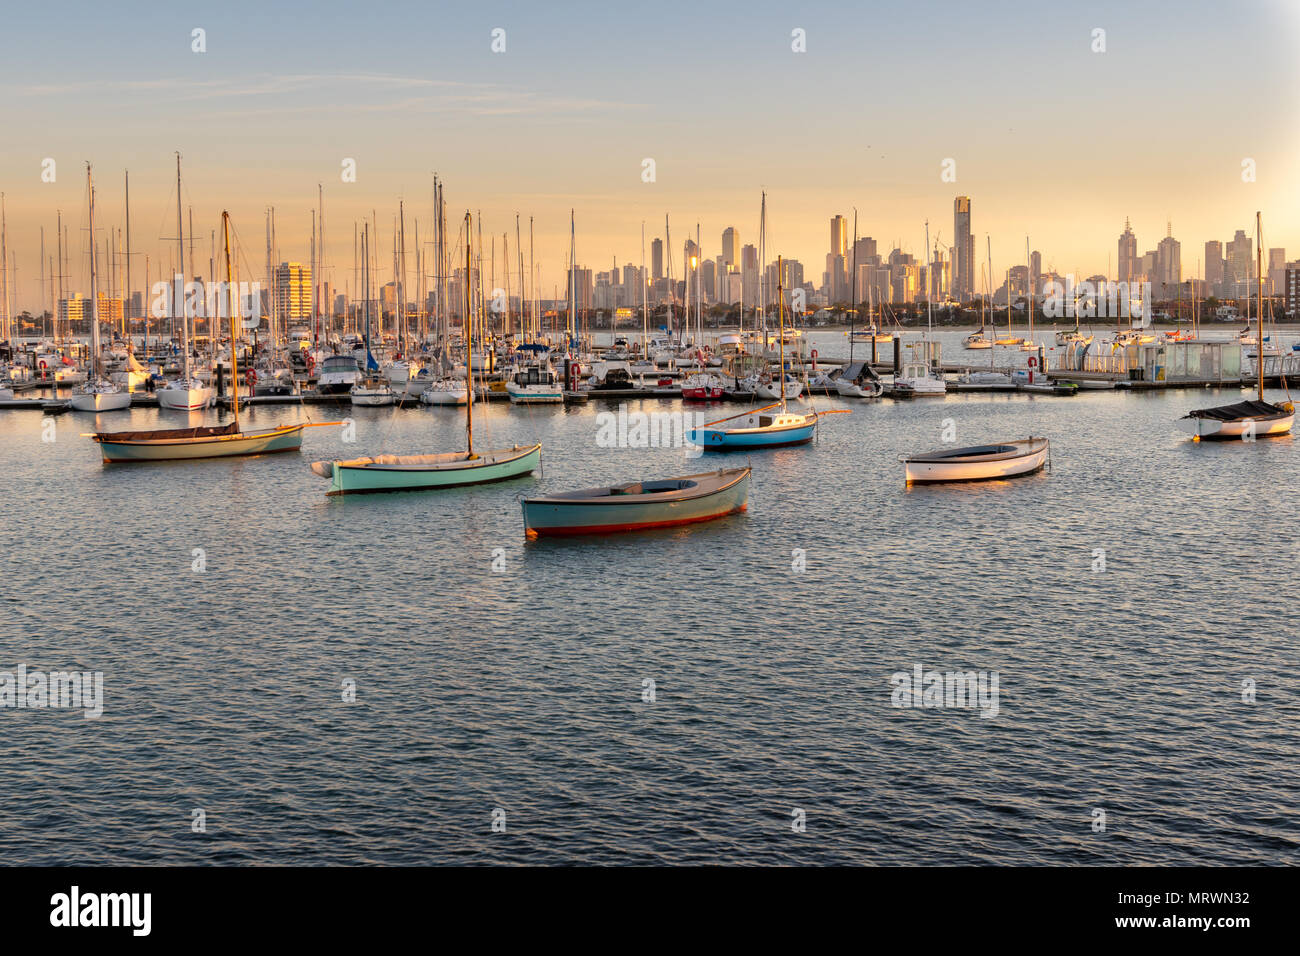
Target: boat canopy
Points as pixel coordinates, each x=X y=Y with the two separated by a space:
x=169 y=434
x=1232 y=413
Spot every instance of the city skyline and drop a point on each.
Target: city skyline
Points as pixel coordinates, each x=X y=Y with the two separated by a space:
x=499 y=130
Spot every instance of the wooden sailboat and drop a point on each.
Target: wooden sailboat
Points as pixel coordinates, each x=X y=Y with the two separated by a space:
x=763 y=427
x=447 y=470
x=639 y=506
x=1250 y=419
x=212 y=441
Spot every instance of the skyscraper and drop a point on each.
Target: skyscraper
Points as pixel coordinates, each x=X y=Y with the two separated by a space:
x=963 y=272
x=839 y=236
x=1169 y=270
x=657 y=259
x=1128 y=250
x=731 y=246
x=1214 y=267
x=293 y=289
x=1240 y=251
x=1276 y=271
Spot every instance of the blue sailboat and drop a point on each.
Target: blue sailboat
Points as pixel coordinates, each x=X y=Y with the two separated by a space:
x=772 y=426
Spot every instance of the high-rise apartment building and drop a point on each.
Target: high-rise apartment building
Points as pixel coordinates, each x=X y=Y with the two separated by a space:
x=964 y=265
x=657 y=259
x=731 y=246
x=1214 y=267
x=1240 y=252
x=293 y=291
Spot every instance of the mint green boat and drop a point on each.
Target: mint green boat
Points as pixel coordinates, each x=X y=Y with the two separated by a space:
x=422 y=472
x=446 y=470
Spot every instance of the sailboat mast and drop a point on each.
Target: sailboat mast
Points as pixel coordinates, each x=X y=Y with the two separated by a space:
x=645 y=311
x=4 y=262
x=234 y=312
x=853 y=285
x=780 y=308
x=127 y=294
x=94 y=283
x=1259 y=302
x=573 y=281
x=180 y=274
x=469 y=348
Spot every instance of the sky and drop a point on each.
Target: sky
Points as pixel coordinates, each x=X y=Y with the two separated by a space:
x=1050 y=139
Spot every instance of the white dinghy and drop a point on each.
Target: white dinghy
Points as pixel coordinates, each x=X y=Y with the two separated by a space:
x=978 y=463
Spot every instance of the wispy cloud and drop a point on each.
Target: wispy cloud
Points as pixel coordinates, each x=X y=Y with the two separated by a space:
x=370 y=92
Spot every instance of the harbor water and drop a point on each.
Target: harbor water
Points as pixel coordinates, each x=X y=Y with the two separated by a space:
x=403 y=679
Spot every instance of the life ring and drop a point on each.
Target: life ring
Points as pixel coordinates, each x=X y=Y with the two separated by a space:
x=43 y=365
x=250 y=377
x=1033 y=361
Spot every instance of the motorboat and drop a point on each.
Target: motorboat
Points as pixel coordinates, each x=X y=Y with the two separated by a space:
x=337 y=374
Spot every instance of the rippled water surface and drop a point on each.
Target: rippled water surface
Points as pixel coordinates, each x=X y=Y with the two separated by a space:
x=1120 y=690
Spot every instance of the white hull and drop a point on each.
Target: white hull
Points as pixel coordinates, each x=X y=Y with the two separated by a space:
x=792 y=390
x=853 y=390
x=986 y=463
x=923 y=386
x=444 y=396
x=1213 y=428
x=100 y=401
x=185 y=399
x=534 y=395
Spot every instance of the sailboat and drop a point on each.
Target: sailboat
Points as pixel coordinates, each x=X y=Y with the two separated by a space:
x=372 y=390
x=982 y=339
x=447 y=470
x=763 y=427
x=186 y=393
x=205 y=441
x=98 y=394
x=1249 y=419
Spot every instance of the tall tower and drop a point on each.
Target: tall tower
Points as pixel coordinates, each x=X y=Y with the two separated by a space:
x=731 y=246
x=964 y=267
x=657 y=259
x=1128 y=247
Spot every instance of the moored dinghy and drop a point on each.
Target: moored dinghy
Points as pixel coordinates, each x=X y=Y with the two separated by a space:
x=446 y=470
x=1241 y=420
x=639 y=506
x=1250 y=419
x=977 y=463
x=423 y=472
